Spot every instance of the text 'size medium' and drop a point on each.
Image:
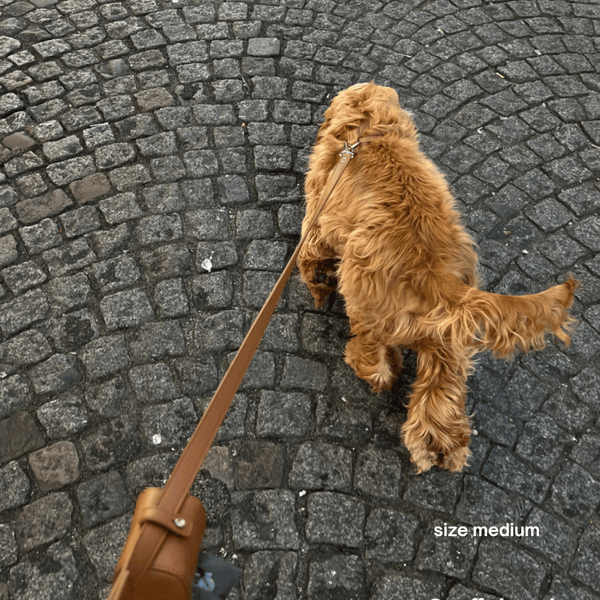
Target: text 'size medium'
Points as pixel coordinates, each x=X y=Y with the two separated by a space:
x=507 y=530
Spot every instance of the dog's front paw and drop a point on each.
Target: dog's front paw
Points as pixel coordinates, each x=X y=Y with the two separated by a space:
x=320 y=294
x=320 y=278
x=323 y=282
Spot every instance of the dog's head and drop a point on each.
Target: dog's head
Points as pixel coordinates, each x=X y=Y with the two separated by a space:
x=367 y=101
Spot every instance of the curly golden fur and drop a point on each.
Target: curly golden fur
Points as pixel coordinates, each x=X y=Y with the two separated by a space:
x=391 y=238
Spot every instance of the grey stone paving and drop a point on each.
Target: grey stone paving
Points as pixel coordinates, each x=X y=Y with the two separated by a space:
x=152 y=161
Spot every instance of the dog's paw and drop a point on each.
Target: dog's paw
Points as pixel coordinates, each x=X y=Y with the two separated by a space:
x=380 y=377
x=455 y=460
x=382 y=382
x=425 y=455
x=319 y=294
x=423 y=460
x=322 y=281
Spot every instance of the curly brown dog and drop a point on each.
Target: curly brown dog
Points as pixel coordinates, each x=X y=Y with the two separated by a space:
x=407 y=270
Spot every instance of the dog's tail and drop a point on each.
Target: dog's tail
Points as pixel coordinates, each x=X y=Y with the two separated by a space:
x=504 y=323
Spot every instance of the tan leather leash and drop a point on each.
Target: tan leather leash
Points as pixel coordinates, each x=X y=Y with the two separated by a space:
x=185 y=471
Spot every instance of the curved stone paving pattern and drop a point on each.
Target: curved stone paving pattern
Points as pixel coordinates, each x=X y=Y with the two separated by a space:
x=150 y=191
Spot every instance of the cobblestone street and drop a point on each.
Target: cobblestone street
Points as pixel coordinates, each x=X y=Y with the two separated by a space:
x=152 y=162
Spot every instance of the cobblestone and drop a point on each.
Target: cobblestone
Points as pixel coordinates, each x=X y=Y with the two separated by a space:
x=259 y=465
x=585 y=566
x=113 y=443
x=21 y=434
x=120 y=208
x=9 y=552
x=29 y=308
x=62 y=418
x=533 y=444
x=156 y=341
x=59 y=582
x=55 y=466
x=334 y=519
x=43 y=521
x=14 y=395
x=152 y=159
x=48 y=205
x=23 y=350
x=70 y=291
x=282 y=415
x=69 y=257
x=575 y=493
x=74 y=330
x=167 y=262
x=508 y=570
x=171 y=298
x=8 y=250
x=39 y=237
x=214 y=290
x=56 y=374
x=378 y=474
x=559 y=539
x=321 y=466
x=153 y=383
x=273 y=526
x=210 y=224
x=15 y=486
x=453 y=556
x=104 y=356
x=169 y=425
x=339 y=575
x=270 y=570
x=126 y=309
x=102 y=498
x=390 y=536
x=107 y=398
x=23 y=277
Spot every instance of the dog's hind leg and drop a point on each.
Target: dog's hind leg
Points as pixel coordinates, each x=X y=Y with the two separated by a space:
x=436 y=431
x=374 y=362
x=317 y=263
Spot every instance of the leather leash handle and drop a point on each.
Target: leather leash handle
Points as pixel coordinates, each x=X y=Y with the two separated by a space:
x=185 y=471
x=118 y=588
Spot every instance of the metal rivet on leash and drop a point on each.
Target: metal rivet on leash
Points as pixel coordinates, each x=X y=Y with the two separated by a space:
x=179 y=522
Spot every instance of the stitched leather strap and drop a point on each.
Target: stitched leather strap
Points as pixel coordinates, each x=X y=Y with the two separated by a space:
x=182 y=477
